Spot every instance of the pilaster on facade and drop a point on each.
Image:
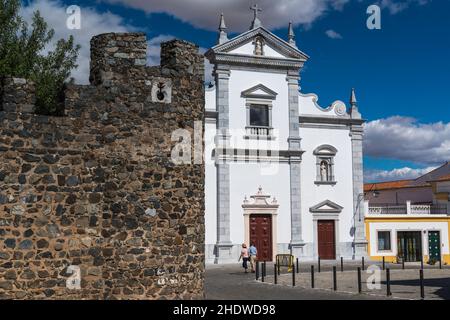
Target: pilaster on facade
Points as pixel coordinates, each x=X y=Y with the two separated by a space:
x=294 y=142
x=360 y=241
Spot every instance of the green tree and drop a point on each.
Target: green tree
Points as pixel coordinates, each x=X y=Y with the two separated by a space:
x=23 y=54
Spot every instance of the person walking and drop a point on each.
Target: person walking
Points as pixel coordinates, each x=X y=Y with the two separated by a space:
x=244 y=255
x=253 y=252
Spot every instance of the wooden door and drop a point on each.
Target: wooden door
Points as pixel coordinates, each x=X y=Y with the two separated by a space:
x=261 y=235
x=326 y=239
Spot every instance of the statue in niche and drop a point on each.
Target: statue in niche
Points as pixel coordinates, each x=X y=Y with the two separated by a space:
x=259 y=47
x=324 y=171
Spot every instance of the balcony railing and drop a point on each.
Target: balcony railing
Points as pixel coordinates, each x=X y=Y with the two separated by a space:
x=387 y=209
x=259 y=131
x=408 y=208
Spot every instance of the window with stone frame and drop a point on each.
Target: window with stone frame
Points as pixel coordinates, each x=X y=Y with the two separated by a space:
x=325 y=155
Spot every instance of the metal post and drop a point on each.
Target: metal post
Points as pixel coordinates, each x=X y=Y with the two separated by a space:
x=403 y=263
x=312 y=277
x=334 y=279
x=421 y=262
x=257 y=270
x=278 y=267
x=388 y=282
x=293 y=276
x=422 y=289
x=318 y=264
x=362 y=263
x=359 y=280
x=264 y=269
x=342 y=264
x=440 y=262
x=275 y=273
x=297 y=266
x=262 y=272
x=384 y=262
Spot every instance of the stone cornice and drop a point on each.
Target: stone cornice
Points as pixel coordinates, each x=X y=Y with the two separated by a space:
x=249 y=60
x=330 y=120
x=256 y=155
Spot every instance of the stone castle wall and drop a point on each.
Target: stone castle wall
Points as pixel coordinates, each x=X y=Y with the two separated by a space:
x=96 y=188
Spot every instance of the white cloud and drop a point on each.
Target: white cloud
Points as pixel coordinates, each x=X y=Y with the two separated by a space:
x=395 y=7
x=333 y=34
x=395 y=174
x=92 y=23
x=205 y=14
x=154 y=48
x=404 y=138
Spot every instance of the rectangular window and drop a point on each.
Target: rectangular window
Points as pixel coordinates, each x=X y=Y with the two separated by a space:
x=259 y=116
x=384 y=240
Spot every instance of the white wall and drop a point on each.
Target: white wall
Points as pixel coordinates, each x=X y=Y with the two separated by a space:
x=245 y=179
x=341 y=193
x=406 y=226
x=241 y=80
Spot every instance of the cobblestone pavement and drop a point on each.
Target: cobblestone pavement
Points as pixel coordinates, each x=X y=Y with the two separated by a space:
x=230 y=282
x=404 y=283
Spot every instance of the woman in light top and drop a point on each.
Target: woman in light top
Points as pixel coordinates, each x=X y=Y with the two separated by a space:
x=244 y=255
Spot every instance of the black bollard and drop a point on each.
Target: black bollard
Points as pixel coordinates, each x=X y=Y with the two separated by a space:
x=264 y=269
x=440 y=262
x=388 y=282
x=342 y=264
x=422 y=289
x=275 y=273
x=421 y=263
x=359 y=280
x=318 y=264
x=279 y=270
x=312 y=277
x=293 y=276
x=403 y=263
x=362 y=263
x=262 y=272
x=297 y=266
x=257 y=270
x=384 y=267
x=334 y=279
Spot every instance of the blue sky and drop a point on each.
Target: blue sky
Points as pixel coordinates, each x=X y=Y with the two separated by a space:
x=401 y=72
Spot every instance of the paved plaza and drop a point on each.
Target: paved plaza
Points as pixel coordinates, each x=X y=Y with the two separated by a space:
x=230 y=282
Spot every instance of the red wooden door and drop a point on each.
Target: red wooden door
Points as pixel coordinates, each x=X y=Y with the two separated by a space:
x=261 y=235
x=326 y=239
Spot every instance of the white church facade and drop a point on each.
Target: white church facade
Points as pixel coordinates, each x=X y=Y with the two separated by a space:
x=281 y=171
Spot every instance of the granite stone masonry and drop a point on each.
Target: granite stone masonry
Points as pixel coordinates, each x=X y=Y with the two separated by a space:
x=96 y=189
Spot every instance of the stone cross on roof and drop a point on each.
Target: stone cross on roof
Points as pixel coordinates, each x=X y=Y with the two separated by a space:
x=256 y=22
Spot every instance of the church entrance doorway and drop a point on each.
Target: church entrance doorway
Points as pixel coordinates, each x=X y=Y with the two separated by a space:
x=326 y=239
x=261 y=235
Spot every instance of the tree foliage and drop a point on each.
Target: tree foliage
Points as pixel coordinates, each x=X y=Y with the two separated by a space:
x=25 y=53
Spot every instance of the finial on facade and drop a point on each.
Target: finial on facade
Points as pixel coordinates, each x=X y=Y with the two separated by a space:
x=256 y=22
x=223 y=36
x=354 y=113
x=353 y=101
x=291 y=35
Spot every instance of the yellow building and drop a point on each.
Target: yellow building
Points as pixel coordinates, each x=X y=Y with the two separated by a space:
x=406 y=228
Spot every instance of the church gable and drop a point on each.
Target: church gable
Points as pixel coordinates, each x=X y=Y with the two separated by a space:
x=260 y=42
